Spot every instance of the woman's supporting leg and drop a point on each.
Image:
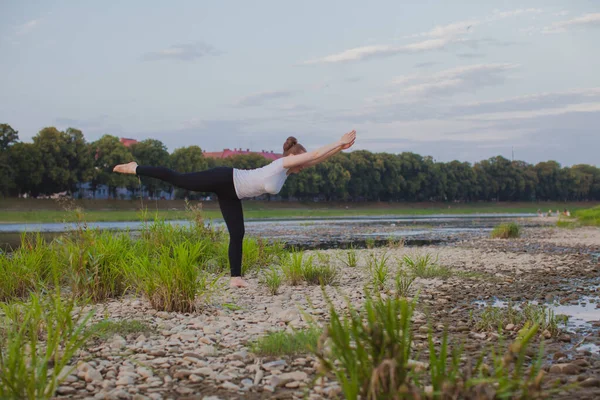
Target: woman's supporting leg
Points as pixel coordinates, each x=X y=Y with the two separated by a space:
x=233 y=214
x=214 y=180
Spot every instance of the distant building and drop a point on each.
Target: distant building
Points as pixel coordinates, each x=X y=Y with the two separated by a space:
x=128 y=142
x=235 y=152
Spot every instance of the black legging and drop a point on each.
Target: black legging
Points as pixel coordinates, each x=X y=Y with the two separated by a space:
x=219 y=181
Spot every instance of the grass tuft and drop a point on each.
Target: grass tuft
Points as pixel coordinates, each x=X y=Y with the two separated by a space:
x=497 y=318
x=272 y=279
x=286 y=343
x=350 y=258
x=39 y=338
x=506 y=231
x=379 y=270
x=107 y=328
x=426 y=267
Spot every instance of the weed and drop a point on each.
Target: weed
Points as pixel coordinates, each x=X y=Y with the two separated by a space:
x=403 y=282
x=370 y=243
x=293 y=266
x=394 y=243
x=368 y=351
x=496 y=318
x=380 y=271
x=108 y=328
x=278 y=344
x=272 y=279
x=506 y=231
x=321 y=273
x=351 y=257
x=94 y=263
x=26 y=269
x=42 y=336
x=172 y=280
x=426 y=267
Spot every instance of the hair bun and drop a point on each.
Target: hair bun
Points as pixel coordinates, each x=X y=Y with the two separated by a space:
x=289 y=143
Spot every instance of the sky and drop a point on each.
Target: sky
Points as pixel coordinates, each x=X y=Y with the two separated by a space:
x=462 y=80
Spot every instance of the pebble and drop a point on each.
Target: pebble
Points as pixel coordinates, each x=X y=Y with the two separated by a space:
x=590 y=382
x=65 y=390
x=564 y=368
x=230 y=386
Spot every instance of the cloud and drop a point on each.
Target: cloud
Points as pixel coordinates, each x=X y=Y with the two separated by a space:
x=570 y=108
x=514 y=13
x=451 y=30
x=377 y=51
x=591 y=19
x=182 y=52
x=353 y=79
x=258 y=99
x=438 y=38
x=471 y=55
x=426 y=64
x=27 y=27
x=459 y=79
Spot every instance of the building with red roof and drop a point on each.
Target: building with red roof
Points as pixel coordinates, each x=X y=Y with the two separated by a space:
x=128 y=142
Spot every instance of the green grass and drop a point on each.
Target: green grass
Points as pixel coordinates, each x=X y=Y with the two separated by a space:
x=379 y=270
x=370 y=352
x=106 y=329
x=349 y=257
x=506 y=231
x=171 y=279
x=425 y=266
x=38 y=340
x=36 y=211
x=272 y=279
x=586 y=217
x=497 y=318
x=278 y=344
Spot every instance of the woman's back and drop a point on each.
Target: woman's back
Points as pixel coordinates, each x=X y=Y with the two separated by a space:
x=255 y=182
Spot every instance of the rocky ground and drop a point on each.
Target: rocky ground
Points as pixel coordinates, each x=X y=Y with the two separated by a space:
x=206 y=355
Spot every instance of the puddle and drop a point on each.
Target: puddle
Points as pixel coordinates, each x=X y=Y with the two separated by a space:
x=580 y=314
x=591 y=347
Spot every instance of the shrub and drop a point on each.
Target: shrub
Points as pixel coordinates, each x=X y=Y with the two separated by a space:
x=506 y=231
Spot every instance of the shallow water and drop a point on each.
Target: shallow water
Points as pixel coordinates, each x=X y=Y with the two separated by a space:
x=317 y=233
x=288 y=222
x=580 y=314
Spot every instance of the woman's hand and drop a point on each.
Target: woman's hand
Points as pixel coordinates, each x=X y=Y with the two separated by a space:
x=348 y=140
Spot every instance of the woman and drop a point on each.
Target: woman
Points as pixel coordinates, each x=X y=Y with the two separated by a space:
x=231 y=185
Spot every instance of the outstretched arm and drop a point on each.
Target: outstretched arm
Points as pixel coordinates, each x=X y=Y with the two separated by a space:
x=316 y=156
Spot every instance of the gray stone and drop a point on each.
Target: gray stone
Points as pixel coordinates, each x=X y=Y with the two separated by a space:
x=125 y=381
x=280 y=380
x=568 y=369
x=275 y=365
x=65 y=390
x=230 y=386
x=590 y=382
x=91 y=375
x=206 y=371
x=145 y=372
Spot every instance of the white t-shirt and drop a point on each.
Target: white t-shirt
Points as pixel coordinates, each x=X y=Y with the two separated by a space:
x=254 y=182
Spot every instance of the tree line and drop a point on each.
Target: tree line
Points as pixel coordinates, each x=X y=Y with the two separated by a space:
x=56 y=161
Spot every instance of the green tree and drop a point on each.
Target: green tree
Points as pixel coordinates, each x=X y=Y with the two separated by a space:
x=28 y=170
x=108 y=151
x=187 y=159
x=152 y=152
x=8 y=137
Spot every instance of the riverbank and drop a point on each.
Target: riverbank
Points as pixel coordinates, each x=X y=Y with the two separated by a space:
x=210 y=352
x=40 y=211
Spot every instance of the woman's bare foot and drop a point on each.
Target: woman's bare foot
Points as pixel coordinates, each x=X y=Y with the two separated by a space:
x=237 y=281
x=128 y=168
